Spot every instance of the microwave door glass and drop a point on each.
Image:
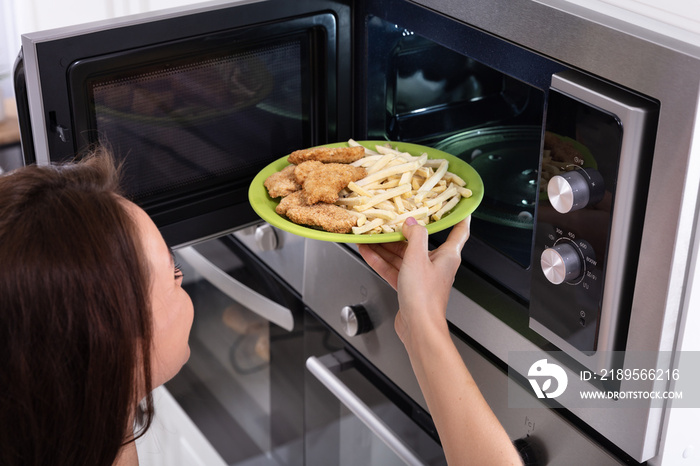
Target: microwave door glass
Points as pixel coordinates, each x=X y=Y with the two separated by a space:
x=194 y=121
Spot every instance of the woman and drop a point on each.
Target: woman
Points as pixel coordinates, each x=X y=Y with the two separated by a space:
x=92 y=316
x=469 y=431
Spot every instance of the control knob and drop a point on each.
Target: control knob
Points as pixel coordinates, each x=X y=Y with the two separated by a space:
x=575 y=189
x=355 y=320
x=561 y=263
x=266 y=238
x=530 y=451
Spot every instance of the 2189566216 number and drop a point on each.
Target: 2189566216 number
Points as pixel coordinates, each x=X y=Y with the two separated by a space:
x=631 y=374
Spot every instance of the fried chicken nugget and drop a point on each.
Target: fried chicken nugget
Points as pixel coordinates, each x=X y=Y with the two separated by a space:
x=303 y=169
x=282 y=183
x=324 y=183
x=327 y=154
x=296 y=199
x=330 y=217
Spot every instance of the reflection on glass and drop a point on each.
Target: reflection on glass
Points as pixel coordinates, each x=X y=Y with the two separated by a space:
x=185 y=114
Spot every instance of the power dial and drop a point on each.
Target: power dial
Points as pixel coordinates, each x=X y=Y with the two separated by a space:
x=355 y=320
x=575 y=189
x=562 y=263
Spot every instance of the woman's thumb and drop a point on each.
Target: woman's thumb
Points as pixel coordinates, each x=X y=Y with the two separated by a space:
x=416 y=235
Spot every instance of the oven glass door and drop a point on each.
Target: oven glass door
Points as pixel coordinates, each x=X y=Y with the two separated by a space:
x=353 y=416
x=243 y=384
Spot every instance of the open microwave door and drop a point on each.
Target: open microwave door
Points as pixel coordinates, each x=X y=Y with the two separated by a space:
x=193 y=101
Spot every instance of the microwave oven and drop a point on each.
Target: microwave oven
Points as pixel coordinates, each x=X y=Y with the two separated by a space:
x=574 y=123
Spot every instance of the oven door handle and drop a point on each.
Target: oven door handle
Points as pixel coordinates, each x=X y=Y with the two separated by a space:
x=251 y=299
x=323 y=368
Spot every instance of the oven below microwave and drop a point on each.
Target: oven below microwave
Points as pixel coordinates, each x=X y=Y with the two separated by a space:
x=312 y=395
x=542 y=435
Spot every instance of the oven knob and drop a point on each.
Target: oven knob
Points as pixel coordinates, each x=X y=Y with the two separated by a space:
x=530 y=452
x=561 y=263
x=266 y=238
x=355 y=320
x=575 y=189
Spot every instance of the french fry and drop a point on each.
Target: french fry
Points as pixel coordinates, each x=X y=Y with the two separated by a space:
x=380 y=213
x=358 y=189
x=361 y=218
x=400 y=206
x=351 y=201
x=396 y=169
x=366 y=161
x=377 y=198
x=368 y=226
x=417 y=214
x=452 y=178
x=353 y=143
x=448 y=193
x=378 y=165
x=446 y=208
x=465 y=192
x=433 y=180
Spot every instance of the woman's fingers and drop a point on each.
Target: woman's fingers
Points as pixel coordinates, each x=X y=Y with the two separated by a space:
x=384 y=261
x=458 y=237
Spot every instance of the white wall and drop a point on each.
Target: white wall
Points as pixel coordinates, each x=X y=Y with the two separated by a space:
x=679 y=19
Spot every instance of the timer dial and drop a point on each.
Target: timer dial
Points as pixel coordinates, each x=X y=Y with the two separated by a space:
x=575 y=189
x=561 y=263
x=355 y=320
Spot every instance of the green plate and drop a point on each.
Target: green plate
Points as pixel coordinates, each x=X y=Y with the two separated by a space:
x=264 y=205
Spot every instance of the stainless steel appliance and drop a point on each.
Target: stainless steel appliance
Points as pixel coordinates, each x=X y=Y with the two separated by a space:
x=588 y=268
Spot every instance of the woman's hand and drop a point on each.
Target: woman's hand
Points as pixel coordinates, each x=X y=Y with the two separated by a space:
x=422 y=278
x=470 y=432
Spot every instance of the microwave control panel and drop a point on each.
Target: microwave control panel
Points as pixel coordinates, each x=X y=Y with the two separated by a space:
x=593 y=175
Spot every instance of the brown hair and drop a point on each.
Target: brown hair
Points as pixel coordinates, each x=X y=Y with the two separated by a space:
x=75 y=319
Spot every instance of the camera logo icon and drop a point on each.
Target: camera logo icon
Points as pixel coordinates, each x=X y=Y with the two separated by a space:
x=546 y=372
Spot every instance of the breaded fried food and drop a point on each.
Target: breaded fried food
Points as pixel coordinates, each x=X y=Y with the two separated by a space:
x=327 y=154
x=329 y=217
x=324 y=184
x=296 y=199
x=303 y=169
x=282 y=183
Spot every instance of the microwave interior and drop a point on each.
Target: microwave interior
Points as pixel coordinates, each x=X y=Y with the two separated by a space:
x=428 y=93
